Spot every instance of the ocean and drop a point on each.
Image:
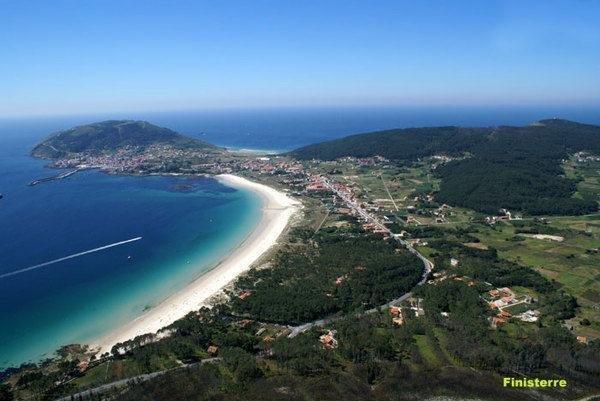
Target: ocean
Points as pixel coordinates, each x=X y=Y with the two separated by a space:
x=186 y=224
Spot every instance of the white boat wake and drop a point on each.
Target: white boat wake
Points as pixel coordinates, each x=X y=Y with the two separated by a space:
x=76 y=255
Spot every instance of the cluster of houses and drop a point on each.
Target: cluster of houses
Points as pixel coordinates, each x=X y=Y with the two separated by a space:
x=416 y=305
x=328 y=339
x=408 y=219
x=583 y=339
x=583 y=157
x=423 y=198
x=498 y=299
x=272 y=165
x=268 y=333
x=397 y=315
x=316 y=184
x=412 y=304
x=375 y=229
x=378 y=207
x=438 y=277
x=212 y=350
x=417 y=242
x=441 y=213
x=441 y=158
x=502 y=298
x=133 y=159
x=500 y=319
x=374 y=161
x=267 y=165
x=503 y=215
x=530 y=316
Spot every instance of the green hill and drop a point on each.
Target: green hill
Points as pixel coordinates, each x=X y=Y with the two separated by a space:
x=397 y=144
x=108 y=136
x=516 y=168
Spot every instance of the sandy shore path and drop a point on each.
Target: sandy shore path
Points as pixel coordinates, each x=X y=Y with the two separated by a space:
x=277 y=210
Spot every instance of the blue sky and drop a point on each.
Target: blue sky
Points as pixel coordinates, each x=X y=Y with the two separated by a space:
x=70 y=57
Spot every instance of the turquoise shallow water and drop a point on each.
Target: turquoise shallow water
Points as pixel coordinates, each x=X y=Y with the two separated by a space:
x=184 y=223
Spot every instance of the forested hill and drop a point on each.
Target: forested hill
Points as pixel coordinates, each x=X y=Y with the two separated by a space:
x=553 y=136
x=516 y=168
x=403 y=144
x=112 y=135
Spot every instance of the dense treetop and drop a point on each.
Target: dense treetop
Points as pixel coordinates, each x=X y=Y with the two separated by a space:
x=552 y=137
x=398 y=144
x=112 y=135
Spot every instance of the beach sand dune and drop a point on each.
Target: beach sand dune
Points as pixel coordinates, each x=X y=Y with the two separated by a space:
x=277 y=210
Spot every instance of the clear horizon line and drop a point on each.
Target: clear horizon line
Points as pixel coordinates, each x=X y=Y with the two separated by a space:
x=234 y=107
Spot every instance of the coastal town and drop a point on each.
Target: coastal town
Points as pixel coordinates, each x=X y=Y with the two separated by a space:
x=297 y=177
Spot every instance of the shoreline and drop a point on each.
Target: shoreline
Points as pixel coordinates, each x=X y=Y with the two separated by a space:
x=277 y=210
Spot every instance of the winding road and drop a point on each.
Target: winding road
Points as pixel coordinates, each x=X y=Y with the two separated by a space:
x=295 y=330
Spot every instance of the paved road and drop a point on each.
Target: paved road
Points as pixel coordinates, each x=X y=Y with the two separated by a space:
x=388 y=192
x=295 y=330
x=124 y=382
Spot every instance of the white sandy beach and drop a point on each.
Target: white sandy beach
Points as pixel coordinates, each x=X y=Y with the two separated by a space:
x=277 y=210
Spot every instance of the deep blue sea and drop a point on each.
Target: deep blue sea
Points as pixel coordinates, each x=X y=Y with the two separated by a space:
x=182 y=226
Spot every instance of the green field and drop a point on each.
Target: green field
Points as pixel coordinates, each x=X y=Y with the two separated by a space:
x=427 y=351
x=370 y=182
x=570 y=262
x=588 y=174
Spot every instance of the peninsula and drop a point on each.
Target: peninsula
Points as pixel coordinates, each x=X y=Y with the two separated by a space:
x=128 y=147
